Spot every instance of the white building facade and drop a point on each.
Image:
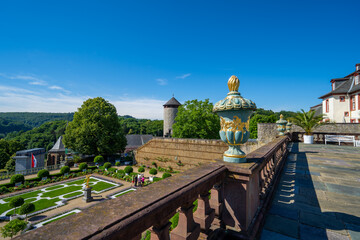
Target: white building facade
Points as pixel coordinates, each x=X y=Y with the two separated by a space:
x=342 y=104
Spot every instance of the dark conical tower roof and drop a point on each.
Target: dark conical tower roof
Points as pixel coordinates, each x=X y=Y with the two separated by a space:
x=172 y=103
x=59 y=146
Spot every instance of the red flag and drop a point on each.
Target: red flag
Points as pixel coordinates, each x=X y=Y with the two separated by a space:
x=33 y=161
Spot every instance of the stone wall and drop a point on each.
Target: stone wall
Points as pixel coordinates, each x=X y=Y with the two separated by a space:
x=190 y=153
x=267 y=131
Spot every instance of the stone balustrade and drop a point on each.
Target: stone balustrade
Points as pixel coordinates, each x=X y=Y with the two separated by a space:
x=239 y=194
x=319 y=137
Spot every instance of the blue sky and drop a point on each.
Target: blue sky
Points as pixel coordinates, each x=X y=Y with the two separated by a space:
x=136 y=54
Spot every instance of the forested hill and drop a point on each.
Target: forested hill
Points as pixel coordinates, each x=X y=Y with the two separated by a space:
x=34 y=119
x=7 y=126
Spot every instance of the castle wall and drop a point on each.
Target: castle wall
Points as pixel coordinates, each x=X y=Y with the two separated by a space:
x=175 y=152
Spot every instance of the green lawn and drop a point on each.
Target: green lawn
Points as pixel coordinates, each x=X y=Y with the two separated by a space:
x=71 y=213
x=25 y=195
x=39 y=205
x=78 y=193
x=54 y=192
x=99 y=186
x=54 y=187
x=62 y=191
x=81 y=181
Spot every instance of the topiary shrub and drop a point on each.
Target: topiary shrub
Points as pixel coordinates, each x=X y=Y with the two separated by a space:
x=117 y=164
x=128 y=169
x=112 y=169
x=26 y=208
x=17 y=178
x=153 y=171
x=43 y=173
x=99 y=159
x=65 y=169
x=141 y=169
x=166 y=175
x=83 y=166
x=107 y=165
x=16 y=202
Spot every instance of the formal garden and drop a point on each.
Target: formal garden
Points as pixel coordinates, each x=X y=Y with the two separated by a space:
x=52 y=191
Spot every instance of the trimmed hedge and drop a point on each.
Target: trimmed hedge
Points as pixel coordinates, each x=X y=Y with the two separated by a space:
x=107 y=165
x=33 y=179
x=75 y=171
x=65 y=169
x=83 y=166
x=92 y=167
x=117 y=163
x=43 y=173
x=17 y=178
x=166 y=175
x=99 y=159
x=7 y=185
x=141 y=169
x=128 y=169
x=56 y=175
x=112 y=169
x=153 y=171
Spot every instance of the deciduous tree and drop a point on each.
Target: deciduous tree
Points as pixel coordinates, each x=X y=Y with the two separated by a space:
x=12 y=228
x=195 y=119
x=95 y=129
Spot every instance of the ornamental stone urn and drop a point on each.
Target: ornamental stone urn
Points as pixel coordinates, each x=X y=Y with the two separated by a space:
x=281 y=125
x=288 y=126
x=234 y=112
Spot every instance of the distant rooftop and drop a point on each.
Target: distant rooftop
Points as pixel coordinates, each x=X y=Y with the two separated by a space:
x=59 y=146
x=172 y=102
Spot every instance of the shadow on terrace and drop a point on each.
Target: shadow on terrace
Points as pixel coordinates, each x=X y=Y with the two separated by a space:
x=318 y=196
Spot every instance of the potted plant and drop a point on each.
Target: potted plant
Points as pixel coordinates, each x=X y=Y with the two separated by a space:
x=307 y=121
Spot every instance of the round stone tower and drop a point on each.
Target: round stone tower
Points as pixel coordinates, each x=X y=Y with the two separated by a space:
x=170 y=111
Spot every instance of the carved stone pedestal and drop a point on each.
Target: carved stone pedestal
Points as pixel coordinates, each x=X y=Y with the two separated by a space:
x=87 y=195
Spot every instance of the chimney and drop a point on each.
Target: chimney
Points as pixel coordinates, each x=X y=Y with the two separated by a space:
x=357 y=66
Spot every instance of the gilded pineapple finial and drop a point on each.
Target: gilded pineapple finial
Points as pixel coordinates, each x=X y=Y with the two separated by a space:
x=233 y=84
x=281 y=116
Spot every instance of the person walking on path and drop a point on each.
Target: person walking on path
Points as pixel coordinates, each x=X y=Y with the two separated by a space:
x=142 y=181
x=135 y=180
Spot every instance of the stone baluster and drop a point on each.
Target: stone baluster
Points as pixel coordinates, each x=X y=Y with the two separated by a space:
x=217 y=199
x=204 y=214
x=187 y=229
x=161 y=227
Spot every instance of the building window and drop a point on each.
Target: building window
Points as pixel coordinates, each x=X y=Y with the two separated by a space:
x=342 y=98
x=352 y=103
x=333 y=86
x=346 y=114
x=357 y=80
x=327 y=105
x=359 y=102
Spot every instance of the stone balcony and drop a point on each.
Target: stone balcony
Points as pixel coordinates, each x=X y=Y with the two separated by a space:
x=317 y=197
x=239 y=194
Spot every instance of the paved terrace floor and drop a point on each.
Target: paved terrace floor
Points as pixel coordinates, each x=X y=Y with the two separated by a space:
x=318 y=196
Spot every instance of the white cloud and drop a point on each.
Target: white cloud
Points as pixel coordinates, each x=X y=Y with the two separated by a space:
x=21 y=100
x=56 y=87
x=184 y=76
x=31 y=79
x=140 y=108
x=161 y=81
